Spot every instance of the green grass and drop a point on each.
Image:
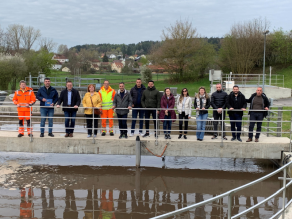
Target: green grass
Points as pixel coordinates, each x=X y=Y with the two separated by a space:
x=287 y=72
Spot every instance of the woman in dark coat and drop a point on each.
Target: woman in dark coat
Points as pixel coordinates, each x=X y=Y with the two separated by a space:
x=167 y=102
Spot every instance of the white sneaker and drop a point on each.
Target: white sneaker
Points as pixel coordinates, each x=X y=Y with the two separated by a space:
x=89 y=136
x=131 y=135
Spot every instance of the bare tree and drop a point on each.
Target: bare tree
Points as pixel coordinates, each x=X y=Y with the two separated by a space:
x=29 y=36
x=14 y=32
x=62 y=49
x=3 y=41
x=48 y=44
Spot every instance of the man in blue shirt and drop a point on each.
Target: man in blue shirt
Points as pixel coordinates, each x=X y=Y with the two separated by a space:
x=48 y=97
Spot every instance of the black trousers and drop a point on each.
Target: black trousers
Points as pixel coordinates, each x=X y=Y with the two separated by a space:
x=258 y=116
x=89 y=118
x=183 y=118
x=147 y=116
x=218 y=116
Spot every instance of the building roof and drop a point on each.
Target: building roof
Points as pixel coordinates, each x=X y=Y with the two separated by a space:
x=57 y=56
x=95 y=65
x=119 y=65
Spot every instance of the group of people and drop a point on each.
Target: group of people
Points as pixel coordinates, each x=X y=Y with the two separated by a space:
x=145 y=102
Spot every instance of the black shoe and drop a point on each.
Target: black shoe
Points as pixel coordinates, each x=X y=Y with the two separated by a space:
x=121 y=136
x=103 y=134
x=125 y=136
x=180 y=135
x=20 y=135
x=155 y=134
x=111 y=134
x=214 y=137
x=42 y=135
x=233 y=139
x=168 y=136
x=200 y=139
x=146 y=135
x=185 y=137
x=30 y=134
x=51 y=135
x=224 y=138
x=239 y=139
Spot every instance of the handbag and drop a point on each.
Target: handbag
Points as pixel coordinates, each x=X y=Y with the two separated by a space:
x=95 y=111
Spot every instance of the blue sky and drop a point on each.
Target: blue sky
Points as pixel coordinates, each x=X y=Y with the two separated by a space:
x=75 y=22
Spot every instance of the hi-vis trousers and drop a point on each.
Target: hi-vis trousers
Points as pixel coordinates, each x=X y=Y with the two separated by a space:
x=107 y=114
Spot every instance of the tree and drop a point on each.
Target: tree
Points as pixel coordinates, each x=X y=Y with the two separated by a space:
x=146 y=74
x=14 y=32
x=242 y=48
x=180 y=43
x=105 y=58
x=47 y=44
x=29 y=35
x=62 y=49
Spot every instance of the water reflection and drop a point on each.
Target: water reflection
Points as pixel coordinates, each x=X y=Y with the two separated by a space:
x=48 y=209
x=26 y=204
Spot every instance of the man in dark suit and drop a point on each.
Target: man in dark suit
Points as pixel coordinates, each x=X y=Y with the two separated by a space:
x=70 y=98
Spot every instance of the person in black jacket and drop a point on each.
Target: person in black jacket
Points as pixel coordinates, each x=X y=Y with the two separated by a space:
x=258 y=101
x=70 y=98
x=136 y=94
x=48 y=97
x=201 y=104
x=236 y=101
x=218 y=102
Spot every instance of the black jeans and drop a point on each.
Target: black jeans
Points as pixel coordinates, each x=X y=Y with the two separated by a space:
x=183 y=118
x=123 y=123
x=258 y=116
x=235 y=132
x=218 y=116
x=147 y=117
x=89 y=118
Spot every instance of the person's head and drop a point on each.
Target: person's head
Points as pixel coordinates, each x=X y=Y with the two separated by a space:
x=167 y=91
x=106 y=84
x=184 y=92
x=151 y=84
x=90 y=88
x=218 y=87
x=202 y=90
x=22 y=84
x=122 y=86
x=235 y=89
x=69 y=85
x=139 y=82
x=47 y=82
x=259 y=91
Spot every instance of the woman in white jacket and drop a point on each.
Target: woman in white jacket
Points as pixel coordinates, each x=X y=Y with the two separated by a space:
x=184 y=108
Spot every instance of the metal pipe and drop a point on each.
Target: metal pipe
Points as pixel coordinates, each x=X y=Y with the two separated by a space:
x=284 y=193
x=30 y=122
x=138 y=152
x=229 y=205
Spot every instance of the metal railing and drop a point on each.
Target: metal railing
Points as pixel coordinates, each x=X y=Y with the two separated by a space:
x=230 y=193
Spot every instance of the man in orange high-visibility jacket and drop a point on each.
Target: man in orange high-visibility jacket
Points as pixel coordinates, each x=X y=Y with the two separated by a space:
x=24 y=98
x=107 y=95
x=26 y=206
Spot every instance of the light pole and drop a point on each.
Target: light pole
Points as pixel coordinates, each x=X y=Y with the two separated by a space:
x=264 y=64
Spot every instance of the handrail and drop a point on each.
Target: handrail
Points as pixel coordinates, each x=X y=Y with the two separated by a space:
x=231 y=192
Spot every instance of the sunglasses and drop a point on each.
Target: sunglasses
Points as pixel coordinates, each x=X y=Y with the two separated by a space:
x=185 y=91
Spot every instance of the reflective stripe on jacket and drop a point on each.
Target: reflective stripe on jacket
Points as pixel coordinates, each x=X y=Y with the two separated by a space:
x=24 y=97
x=107 y=97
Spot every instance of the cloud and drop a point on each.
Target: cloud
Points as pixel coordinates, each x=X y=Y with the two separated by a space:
x=75 y=22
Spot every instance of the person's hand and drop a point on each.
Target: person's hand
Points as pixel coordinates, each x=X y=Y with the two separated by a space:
x=58 y=106
x=231 y=108
x=219 y=110
x=243 y=109
x=158 y=112
x=189 y=117
x=27 y=105
x=129 y=107
x=44 y=99
x=197 y=108
x=52 y=104
x=100 y=111
x=18 y=105
x=266 y=108
x=113 y=107
x=132 y=105
x=75 y=106
x=203 y=108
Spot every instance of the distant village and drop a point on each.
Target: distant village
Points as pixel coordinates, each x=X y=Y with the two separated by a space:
x=115 y=64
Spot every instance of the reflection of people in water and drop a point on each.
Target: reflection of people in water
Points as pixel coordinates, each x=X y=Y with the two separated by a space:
x=26 y=206
x=107 y=206
x=200 y=211
x=48 y=211
x=91 y=205
x=70 y=211
x=141 y=208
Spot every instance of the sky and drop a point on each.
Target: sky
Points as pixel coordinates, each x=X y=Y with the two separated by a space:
x=78 y=22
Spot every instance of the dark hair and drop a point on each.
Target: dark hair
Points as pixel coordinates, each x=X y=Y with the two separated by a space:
x=139 y=79
x=69 y=82
x=122 y=83
x=235 y=86
x=151 y=81
x=105 y=81
x=182 y=94
x=47 y=79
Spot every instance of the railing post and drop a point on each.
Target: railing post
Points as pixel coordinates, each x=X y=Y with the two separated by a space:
x=30 y=123
x=156 y=137
x=229 y=205
x=138 y=152
x=222 y=132
x=290 y=133
x=284 y=194
x=279 y=123
x=93 y=129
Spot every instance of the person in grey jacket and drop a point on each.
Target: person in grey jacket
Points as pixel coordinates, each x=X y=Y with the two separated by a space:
x=122 y=99
x=150 y=99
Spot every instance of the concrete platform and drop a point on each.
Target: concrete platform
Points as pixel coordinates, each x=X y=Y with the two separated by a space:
x=267 y=148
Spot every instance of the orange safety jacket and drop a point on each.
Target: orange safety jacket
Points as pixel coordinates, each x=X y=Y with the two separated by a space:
x=24 y=97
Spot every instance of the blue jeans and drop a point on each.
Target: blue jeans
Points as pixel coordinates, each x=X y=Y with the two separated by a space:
x=201 y=124
x=70 y=116
x=134 y=116
x=123 y=123
x=44 y=113
x=235 y=116
x=167 y=124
